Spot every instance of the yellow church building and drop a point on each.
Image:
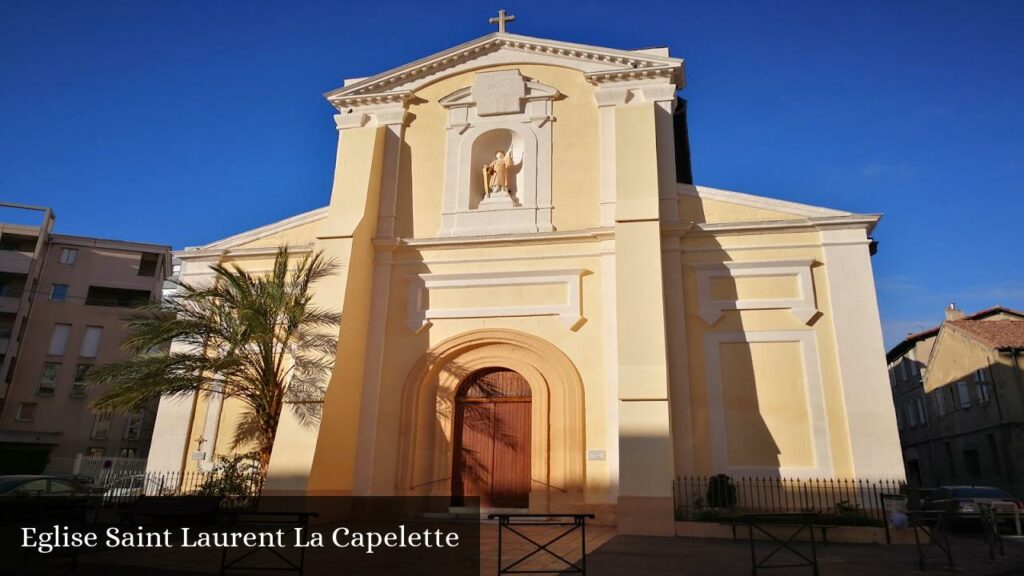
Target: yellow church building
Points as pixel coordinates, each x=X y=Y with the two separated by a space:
x=539 y=309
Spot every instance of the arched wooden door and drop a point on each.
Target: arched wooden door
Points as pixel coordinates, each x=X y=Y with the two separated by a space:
x=492 y=440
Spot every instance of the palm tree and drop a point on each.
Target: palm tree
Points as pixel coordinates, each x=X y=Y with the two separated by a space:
x=256 y=338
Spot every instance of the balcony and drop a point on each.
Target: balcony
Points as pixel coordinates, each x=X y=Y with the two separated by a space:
x=15 y=262
x=9 y=303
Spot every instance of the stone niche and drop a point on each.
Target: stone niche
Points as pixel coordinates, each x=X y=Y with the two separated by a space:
x=500 y=111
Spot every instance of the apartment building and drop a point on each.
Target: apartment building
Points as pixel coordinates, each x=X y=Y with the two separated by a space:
x=63 y=303
x=958 y=390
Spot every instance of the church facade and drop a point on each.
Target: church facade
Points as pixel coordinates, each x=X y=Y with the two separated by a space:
x=539 y=308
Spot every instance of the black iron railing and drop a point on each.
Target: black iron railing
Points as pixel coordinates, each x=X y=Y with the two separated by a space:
x=709 y=497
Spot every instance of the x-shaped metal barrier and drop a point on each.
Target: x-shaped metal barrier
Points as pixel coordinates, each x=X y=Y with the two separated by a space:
x=238 y=520
x=990 y=526
x=516 y=523
x=933 y=524
x=798 y=522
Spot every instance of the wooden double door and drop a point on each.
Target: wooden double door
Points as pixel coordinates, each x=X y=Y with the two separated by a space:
x=492 y=440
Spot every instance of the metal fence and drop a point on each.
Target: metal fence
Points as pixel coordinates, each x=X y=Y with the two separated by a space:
x=711 y=497
x=123 y=488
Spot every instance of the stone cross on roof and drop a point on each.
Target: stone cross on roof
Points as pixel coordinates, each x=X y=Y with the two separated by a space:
x=501 y=19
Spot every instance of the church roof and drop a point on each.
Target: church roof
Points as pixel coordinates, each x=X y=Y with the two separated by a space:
x=598 y=63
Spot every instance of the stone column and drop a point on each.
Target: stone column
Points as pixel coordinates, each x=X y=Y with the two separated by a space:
x=320 y=458
x=172 y=431
x=874 y=438
x=645 y=456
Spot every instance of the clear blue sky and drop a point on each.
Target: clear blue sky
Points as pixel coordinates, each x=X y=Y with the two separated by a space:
x=184 y=122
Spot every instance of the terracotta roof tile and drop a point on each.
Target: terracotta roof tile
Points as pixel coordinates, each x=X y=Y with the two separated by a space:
x=995 y=333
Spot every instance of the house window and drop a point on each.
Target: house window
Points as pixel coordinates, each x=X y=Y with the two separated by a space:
x=922 y=415
x=993 y=450
x=68 y=255
x=133 y=425
x=59 y=293
x=26 y=412
x=983 y=393
x=147 y=264
x=59 y=339
x=128 y=453
x=100 y=426
x=908 y=409
x=78 y=388
x=94 y=451
x=48 y=381
x=963 y=395
x=972 y=462
x=899 y=419
x=980 y=375
x=892 y=376
x=940 y=402
x=91 y=341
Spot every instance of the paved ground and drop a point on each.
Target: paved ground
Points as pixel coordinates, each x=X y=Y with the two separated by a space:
x=612 y=555
x=634 y=555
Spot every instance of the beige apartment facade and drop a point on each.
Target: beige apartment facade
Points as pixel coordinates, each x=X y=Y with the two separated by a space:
x=63 y=301
x=958 y=391
x=517 y=233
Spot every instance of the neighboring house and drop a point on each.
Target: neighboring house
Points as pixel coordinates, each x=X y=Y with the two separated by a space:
x=63 y=300
x=959 y=401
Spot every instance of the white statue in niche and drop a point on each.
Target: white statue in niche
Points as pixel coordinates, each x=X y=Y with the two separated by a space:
x=496 y=173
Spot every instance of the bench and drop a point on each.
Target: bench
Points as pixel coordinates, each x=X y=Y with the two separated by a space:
x=195 y=510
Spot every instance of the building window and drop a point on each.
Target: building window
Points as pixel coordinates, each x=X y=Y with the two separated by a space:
x=908 y=409
x=68 y=255
x=94 y=452
x=962 y=395
x=128 y=453
x=147 y=264
x=922 y=415
x=892 y=376
x=899 y=419
x=78 y=388
x=905 y=369
x=980 y=375
x=983 y=393
x=59 y=292
x=91 y=341
x=972 y=462
x=59 y=339
x=48 y=381
x=100 y=426
x=133 y=425
x=26 y=412
x=993 y=450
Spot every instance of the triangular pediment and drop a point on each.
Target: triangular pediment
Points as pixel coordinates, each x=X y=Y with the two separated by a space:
x=749 y=207
x=600 y=64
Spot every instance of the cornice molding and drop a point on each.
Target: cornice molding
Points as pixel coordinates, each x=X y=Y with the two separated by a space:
x=615 y=61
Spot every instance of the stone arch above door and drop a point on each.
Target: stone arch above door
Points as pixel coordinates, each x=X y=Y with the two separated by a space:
x=557 y=423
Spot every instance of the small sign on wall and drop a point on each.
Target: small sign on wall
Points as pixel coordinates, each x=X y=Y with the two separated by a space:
x=199 y=455
x=596 y=455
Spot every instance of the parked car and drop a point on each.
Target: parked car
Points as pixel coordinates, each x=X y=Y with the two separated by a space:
x=964 y=503
x=128 y=489
x=40 y=485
